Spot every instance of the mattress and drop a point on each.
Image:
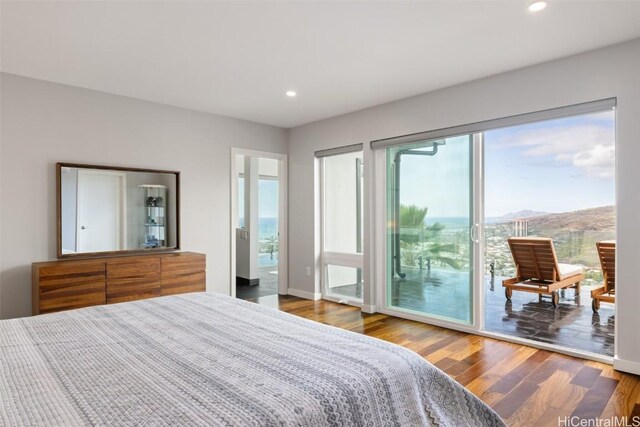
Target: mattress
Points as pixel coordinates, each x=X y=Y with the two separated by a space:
x=210 y=360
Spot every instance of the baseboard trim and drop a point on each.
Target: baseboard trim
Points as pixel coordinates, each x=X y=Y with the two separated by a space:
x=370 y=309
x=626 y=366
x=250 y=282
x=314 y=296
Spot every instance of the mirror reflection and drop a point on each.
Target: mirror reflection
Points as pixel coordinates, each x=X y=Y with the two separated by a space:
x=105 y=210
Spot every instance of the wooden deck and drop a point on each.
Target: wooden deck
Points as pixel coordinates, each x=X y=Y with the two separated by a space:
x=526 y=386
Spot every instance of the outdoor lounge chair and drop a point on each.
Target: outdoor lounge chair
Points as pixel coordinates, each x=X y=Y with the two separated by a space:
x=606 y=292
x=538 y=270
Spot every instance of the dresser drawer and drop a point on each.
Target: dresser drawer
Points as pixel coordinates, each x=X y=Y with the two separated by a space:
x=66 y=273
x=183 y=284
x=131 y=267
x=66 y=297
x=183 y=263
x=131 y=289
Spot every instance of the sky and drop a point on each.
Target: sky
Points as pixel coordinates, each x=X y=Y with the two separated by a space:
x=440 y=182
x=267 y=199
x=558 y=165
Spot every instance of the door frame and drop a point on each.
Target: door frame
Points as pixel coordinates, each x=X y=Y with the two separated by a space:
x=121 y=200
x=380 y=243
x=283 y=223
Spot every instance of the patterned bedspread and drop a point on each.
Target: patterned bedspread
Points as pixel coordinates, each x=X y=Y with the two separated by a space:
x=208 y=360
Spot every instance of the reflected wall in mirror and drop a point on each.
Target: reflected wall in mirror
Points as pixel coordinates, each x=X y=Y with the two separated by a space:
x=109 y=209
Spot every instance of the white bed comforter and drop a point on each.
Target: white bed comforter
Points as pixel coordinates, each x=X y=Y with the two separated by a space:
x=209 y=360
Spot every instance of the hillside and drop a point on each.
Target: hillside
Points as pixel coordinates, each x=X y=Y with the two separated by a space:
x=595 y=219
x=516 y=215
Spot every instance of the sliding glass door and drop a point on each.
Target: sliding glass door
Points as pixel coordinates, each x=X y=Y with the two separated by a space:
x=551 y=179
x=450 y=210
x=430 y=232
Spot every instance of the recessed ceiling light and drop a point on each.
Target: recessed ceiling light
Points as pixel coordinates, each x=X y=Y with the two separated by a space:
x=291 y=93
x=537 y=6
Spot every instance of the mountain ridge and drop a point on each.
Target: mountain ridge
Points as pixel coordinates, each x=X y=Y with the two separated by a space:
x=602 y=218
x=523 y=214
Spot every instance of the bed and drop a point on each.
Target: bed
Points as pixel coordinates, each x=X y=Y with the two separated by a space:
x=206 y=360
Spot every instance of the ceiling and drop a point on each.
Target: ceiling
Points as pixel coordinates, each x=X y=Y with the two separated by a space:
x=239 y=58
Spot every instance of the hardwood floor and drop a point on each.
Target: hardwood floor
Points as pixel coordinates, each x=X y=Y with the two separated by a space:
x=526 y=386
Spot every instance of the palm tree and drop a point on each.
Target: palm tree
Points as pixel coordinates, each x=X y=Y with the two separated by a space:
x=272 y=245
x=412 y=218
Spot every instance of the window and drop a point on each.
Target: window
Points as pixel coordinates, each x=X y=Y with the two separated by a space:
x=342 y=214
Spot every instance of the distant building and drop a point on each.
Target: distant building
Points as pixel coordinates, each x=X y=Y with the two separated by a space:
x=520 y=227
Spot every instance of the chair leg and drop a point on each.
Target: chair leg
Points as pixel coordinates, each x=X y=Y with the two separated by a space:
x=555 y=298
x=595 y=305
x=577 y=288
x=507 y=293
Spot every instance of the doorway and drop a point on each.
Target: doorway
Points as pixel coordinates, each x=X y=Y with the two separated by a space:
x=101 y=203
x=258 y=225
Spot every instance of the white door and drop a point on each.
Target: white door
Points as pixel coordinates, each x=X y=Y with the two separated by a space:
x=100 y=211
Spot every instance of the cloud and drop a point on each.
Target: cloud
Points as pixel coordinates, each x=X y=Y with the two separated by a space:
x=589 y=147
x=599 y=161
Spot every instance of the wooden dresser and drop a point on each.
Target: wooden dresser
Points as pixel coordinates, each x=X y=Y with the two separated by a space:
x=67 y=284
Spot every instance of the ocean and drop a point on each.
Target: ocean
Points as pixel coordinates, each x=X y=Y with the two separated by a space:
x=267 y=227
x=450 y=222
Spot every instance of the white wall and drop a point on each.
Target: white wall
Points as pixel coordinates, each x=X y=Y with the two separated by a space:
x=44 y=123
x=609 y=72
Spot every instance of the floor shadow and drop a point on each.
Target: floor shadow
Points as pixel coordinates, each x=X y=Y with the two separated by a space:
x=268 y=285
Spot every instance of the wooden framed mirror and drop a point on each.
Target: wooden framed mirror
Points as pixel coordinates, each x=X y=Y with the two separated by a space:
x=106 y=210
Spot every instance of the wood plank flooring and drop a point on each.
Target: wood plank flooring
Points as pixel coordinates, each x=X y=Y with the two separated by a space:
x=526 y=386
